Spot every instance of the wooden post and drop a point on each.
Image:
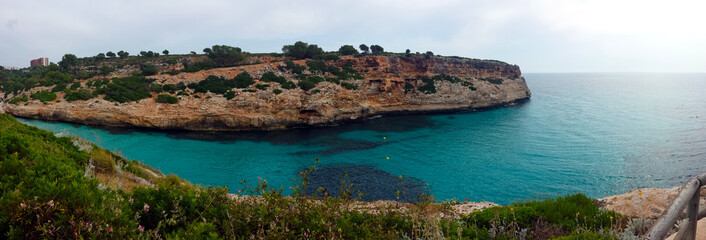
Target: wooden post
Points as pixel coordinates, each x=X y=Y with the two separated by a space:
x=692 y=213
x=669 y=217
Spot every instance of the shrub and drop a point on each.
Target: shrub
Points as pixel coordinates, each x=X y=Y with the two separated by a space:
x=225 y=56
x=301 y=50
x=271 y=77
x=44 y=96
x=75 y=86
x=148 y=69
x=333 y=80
x=17 y=100
x=229 y=95
x=262 y=86
x=126 y=89
x=428 y=86
x=306 y=84
x=277 y=91
x=493 y=80
x=469 y=85
x=289 y=85
x=296 y=69
x=317 y=66
x=243 y=80
x=214 y=84
x=408 y=87
x=166 y=98
x=347 y=50
x=173 y=87
x=348 y=72
x=349 y=86
x=156 y=87
x=82 y=94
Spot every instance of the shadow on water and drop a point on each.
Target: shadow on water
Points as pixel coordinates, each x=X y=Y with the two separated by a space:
x=374 y=183
x=326 y=133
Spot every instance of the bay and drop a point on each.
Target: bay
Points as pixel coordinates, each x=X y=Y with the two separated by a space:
x=594 y=133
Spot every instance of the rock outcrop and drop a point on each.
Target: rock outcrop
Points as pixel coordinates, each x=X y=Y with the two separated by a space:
x=390 y=85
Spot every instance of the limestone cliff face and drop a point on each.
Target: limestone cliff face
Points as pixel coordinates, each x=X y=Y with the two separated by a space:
x=390 y=86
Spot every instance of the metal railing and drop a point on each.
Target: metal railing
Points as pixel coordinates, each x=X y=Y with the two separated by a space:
x=688 y=198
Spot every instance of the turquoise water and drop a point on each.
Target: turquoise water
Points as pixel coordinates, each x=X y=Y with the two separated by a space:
x=599 y=134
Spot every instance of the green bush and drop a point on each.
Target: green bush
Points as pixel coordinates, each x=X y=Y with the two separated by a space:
x=277 y=91
x=348 y=72
x=306 y=84
x=262 y=86
x=496 y=81
x=408 y=87
x=428 y=87
x=214 y=84
x=44 y=96
x=166 y=98
x=469 y=85
x=288 y=85
x=156 y=87
x=82 y=94
x=173 y=87
x=126 y=89
x=317 y=66
x=148 y=69
x=225 y=56
x=301 y=50
x=229 y=95
x=271 y=77
x=347 y=50
x=75 y=86
x=17 y=100
x=243 y=80
x=349 y=86
x=296 y=69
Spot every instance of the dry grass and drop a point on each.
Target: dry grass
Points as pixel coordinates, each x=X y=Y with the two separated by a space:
x=103 y=160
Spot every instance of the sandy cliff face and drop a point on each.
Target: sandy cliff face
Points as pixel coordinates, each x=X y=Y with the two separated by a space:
x=382 y=91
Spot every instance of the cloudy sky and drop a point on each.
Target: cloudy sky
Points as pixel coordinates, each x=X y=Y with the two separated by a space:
x=539 y=36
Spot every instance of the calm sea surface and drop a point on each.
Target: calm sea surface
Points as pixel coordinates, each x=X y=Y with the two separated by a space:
x=598 y=134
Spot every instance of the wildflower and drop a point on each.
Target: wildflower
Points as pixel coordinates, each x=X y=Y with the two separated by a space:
x=639 y=193
x=197 y=195
x=131 y=201
x=252 y=236
x=147 y=207
x=51 y=203
x=388 y=158
x=142 y=229
x=512 y=209
x=110 y=229
x=384 y=138
x=203 y=219
x=611 y=217
x=627 y=203
x=22 y=205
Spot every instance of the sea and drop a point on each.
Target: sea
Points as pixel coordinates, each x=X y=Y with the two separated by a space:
x=598 y=134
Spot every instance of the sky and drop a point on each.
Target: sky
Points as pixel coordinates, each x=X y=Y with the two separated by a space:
x=538 y=35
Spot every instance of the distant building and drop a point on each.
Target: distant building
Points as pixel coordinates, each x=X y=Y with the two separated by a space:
x=10 y=68
x=39 y=62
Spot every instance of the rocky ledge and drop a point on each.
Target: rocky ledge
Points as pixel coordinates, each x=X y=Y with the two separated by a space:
x=387 y=85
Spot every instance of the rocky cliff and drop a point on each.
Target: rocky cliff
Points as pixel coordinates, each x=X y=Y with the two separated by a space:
x=389 y=85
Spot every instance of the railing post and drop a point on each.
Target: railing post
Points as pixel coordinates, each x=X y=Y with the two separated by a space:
x=692 y=213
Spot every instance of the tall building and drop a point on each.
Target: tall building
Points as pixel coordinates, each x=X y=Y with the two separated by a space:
x=39 y=62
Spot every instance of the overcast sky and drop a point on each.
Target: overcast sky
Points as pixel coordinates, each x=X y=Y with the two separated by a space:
x=539 y=36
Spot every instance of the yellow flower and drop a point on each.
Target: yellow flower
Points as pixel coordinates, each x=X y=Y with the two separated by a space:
x=384 y=138
x=639 y=193
x=611 y=217
x=388 y=158
x=628 y=203
x=512 y=209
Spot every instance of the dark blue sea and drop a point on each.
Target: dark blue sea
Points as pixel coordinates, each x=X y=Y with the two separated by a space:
x=594 y=133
